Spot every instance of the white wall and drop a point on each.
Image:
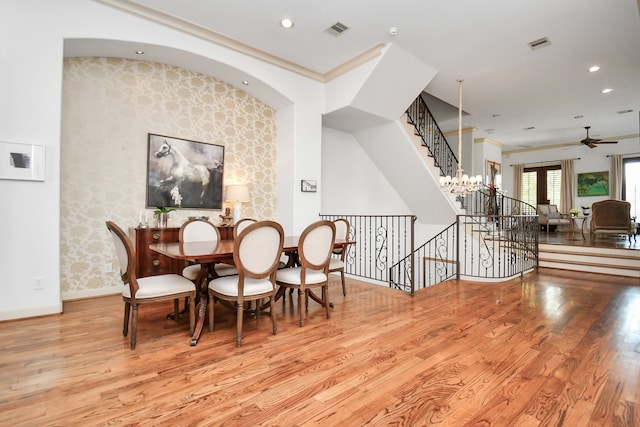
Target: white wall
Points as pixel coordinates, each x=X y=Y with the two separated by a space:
x=352 y=183
x=590 y=160
x=30 y=112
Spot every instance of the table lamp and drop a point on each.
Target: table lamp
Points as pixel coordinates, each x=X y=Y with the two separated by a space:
x=237 y=194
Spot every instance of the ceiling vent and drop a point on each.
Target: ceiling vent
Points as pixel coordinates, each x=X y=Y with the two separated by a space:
x=540 y=43
x=337 y=29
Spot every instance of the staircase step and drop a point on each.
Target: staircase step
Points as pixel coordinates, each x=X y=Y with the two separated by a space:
x=621 y=262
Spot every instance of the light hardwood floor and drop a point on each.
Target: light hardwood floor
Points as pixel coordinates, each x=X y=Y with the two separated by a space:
x=554 y=348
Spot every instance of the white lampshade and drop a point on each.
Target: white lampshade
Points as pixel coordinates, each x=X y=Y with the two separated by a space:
x=237 y=194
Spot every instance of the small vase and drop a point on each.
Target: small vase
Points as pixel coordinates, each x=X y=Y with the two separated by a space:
x=586 y=211
x=163 y=219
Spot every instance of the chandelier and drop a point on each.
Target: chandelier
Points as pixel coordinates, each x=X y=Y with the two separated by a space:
x=461 y=183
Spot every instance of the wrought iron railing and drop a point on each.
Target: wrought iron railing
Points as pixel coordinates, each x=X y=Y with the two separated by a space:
x=432 y=137
x=433 y=262
x=381 y=240
x=474 y=246
x=496 y=247
x=492 y=202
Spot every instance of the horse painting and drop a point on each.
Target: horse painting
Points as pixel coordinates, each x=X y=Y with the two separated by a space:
x=184 y=173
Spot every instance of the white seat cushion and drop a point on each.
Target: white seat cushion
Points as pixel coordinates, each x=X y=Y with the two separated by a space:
x=336 y=264
x=292 y=275
x=157 y=286
x=228 y=285
x=225 y=270
x=191 y=271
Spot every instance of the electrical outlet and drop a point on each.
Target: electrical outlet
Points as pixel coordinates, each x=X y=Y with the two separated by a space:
x=107 y=268
x=38 y=283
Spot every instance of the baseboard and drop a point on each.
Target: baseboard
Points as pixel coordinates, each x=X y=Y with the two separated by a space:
x=31 y=312
x=90 y=293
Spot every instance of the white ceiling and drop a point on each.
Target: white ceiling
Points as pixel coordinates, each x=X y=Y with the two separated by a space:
x=483 y=42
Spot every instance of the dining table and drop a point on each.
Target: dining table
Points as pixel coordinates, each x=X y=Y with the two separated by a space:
x=208 y=253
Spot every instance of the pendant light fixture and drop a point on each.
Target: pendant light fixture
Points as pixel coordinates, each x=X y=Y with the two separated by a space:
x=460 y=184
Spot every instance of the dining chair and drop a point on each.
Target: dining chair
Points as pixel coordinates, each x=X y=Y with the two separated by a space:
x=336 y=263
x=201 y=230
x=256 y=252
x=314 y=254
x=241 y=225
x=147 y=289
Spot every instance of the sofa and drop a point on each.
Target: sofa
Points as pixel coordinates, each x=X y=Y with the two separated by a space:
x=548 y=216
x=612 y=217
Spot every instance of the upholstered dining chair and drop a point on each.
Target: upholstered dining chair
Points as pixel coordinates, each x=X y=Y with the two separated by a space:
x=147 y=289
x=201 y=230
x=256 y=252
x=336 y=263
x=314 y=255
x=241 y=225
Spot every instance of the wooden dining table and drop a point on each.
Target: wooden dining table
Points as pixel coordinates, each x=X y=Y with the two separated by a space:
x=207 y=254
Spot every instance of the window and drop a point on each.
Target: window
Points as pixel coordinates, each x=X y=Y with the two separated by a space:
x=541 y=185
x=631 y=184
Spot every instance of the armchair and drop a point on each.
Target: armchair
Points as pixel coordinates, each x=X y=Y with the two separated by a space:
x=612 y=217
x=548 y=216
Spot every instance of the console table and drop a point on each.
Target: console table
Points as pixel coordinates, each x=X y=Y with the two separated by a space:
x=150 y=263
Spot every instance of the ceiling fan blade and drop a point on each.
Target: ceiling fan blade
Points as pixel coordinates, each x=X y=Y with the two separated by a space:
x=606 y=142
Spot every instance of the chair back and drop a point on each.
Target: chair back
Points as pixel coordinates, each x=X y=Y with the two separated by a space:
x=611 y=214
x=256 y=250
x=241 y=225
x=198 y=230
x=342 y=232
x=315 y=245
x=126 y=257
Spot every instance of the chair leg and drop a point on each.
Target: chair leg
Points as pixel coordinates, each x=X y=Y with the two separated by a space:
x=272 y=312
x=300 y=306
x=192 y=315
x=125 y=326
x=344 y=289
x=239 y=316
x=176 y=309
x=325 y=299
x=134 y=327
x=212 y=303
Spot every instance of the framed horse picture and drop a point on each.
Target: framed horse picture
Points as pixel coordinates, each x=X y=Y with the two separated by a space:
x=184 y=174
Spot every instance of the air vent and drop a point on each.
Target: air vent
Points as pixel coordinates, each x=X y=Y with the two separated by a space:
x=337 y=29
x=529 y=128
x=540 y=43
x=625 y=111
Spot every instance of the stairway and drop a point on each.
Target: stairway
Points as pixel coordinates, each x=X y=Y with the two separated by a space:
x=615 y=261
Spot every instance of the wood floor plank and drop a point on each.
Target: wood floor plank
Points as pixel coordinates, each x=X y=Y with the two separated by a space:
x=552 y=348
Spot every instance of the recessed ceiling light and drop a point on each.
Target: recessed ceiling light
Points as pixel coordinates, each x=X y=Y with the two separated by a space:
x=495 y=115
x=246 y=83
x=393 y=31
x=593 y=69
x=286 y=23
x=139 y=52
x=607 y=90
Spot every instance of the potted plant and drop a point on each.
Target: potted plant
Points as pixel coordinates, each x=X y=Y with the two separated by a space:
x=574 y=212
x=163 y=215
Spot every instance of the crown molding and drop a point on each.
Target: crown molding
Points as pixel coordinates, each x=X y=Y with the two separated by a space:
x=154 y=15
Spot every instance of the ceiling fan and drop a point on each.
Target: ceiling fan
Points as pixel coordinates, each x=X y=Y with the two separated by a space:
x=591 y=142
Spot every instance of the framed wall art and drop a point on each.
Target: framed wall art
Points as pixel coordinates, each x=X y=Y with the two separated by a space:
x=184 y=174
x=593 y=184
x=308 y=186
x=493 y=174
x=21 y=161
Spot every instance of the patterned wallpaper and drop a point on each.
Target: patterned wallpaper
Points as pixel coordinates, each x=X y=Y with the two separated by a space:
x=109 y=107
